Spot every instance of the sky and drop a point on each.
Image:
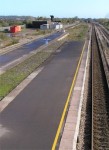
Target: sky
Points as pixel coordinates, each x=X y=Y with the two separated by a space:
x=58 y=8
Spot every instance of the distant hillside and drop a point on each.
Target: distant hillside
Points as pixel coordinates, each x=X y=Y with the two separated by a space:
x=17 y=18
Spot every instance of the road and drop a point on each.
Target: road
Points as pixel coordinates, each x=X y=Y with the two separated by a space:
x=26 y=49
x=31 y=120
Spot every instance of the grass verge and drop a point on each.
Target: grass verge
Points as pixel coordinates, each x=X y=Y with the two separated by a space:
x=14 y=76
x=78 y=33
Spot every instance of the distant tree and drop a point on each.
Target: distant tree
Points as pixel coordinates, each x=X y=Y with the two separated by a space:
x=41 y=18
x=67 y=20
x=76 y=17
x=4 y=23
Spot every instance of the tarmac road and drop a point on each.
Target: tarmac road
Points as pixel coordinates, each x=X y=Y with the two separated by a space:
x=31 y=120
x=26 y=49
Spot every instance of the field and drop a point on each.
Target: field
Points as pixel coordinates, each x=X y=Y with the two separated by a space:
x=78 y=33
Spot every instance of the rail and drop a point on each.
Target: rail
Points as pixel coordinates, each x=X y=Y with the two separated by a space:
x=100 y=97
x=104 y=58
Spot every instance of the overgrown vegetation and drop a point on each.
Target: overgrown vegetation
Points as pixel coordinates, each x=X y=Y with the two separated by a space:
x=42 y=32
x=7 y=41
x=104 y=22
x=12 y=42
x=69 y=20
x=78 y=33
x=3 y=36
x=20 y=20
x=6 y=23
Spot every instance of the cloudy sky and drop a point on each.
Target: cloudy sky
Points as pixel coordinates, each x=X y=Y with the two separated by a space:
x=59 y=8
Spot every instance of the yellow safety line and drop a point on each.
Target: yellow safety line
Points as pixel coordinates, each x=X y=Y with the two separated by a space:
x=67 y=102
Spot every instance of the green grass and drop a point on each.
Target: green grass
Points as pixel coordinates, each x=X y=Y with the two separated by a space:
x=3 y=36
x=7 y=41
x=78 y=33
x=14 y=41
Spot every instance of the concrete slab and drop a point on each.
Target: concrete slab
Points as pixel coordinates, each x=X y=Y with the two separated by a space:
x=70 y=126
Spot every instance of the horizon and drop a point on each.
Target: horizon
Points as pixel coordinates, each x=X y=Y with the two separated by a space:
x=49 y=16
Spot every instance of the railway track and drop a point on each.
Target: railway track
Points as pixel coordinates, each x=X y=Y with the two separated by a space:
x=94 y=125
x=100 y=100
x=105 y=33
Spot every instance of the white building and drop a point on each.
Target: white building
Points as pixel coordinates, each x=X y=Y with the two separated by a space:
x=61 y=26
x=56 y=26
x=53 y=25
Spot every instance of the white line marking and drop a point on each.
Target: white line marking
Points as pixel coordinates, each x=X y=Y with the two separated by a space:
x=11 y=96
